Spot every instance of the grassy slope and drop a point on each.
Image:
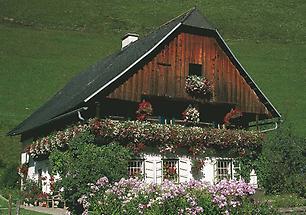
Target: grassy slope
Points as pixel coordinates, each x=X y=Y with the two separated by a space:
x=42 y=45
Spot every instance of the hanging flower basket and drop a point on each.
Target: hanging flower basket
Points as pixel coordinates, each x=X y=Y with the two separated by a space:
x=191 y=114
x=198 y=87
x=144 y=110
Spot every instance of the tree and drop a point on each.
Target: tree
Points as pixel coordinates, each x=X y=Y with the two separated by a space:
x=83 y=163
x=282 y=166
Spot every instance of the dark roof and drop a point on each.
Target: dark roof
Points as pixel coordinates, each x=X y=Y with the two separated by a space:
x=100 y=75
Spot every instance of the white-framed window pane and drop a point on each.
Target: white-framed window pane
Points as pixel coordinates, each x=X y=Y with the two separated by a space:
x=226 y=169
x=171 y=169
x=136 y=168
x=223 y=169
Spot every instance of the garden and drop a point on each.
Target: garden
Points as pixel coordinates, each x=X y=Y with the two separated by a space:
x=90 y=185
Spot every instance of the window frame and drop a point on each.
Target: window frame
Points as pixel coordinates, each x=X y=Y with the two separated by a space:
x=176 y=162
x=230 y=167
x=141 y=167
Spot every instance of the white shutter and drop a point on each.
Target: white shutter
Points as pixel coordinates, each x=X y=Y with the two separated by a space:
x=24 y=158
x=159 y=172
x=149 y=171
x=184 y=170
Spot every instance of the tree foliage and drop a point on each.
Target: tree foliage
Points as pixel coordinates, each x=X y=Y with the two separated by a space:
x=83 y=163
x=282 y=166
x=9 y=176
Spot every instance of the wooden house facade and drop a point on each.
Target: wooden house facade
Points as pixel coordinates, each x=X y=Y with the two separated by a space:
x=155 y=68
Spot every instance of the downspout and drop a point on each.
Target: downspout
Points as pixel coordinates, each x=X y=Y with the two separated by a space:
x=79 y=113
x=270 y=129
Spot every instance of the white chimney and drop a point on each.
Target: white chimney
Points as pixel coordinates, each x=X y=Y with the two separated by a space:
x=128 y=38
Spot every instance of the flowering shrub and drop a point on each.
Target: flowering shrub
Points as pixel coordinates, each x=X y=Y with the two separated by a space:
x=191 y=114
x=168 y=138
x=229 y=194
x=132 y=196
x=233 y=114
x=198 y=87
x=144 y=110
x=32 y=194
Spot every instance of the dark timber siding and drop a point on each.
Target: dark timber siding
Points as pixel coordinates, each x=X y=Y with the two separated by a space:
x=165 y=74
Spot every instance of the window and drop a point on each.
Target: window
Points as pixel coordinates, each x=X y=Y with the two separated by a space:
x=136 y=168
x=195 y=69
x=170 y=169
x=226 y=169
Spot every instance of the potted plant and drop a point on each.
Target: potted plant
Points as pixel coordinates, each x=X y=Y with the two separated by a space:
x=191 y=114
x=144 y=110
x=198 y=87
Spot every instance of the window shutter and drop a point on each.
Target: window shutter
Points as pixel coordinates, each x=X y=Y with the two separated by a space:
x=184 y=170
x=235 y=169
x=159 y=172
x=149 y=171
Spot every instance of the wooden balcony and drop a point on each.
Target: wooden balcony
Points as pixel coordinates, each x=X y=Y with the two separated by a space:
x=161 y=120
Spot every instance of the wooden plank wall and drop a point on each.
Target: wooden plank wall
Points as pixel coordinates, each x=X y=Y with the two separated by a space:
x=165 y=74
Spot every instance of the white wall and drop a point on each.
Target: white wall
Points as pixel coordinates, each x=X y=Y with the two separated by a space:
x=33 y=172
x=208 y=170
x=152 y=166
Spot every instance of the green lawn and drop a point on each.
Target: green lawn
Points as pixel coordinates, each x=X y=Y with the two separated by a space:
x=22 y=212
x=281 y=200
x=4 y=210
x=3 y=203
x=42 y=45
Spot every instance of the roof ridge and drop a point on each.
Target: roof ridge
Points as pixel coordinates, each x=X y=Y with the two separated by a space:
x=185 y=15
x=188 y=13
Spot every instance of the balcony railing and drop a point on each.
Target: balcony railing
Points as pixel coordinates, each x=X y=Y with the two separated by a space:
x=168 y=121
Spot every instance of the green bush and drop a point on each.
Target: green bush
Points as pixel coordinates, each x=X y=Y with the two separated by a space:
x=285 y=200
x=250 y=207
x=31 y=191
x=9 y=177
x=84 y=162
x=282 y=166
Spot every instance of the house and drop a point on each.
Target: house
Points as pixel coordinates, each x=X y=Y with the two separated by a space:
x=153 y=71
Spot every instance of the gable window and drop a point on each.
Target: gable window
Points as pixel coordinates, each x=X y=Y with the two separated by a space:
x=170 y=169
x=136 y=168
x=195 y=69
x=226 y=169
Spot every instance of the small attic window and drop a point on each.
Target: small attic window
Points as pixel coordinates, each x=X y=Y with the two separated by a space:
x=195 y=69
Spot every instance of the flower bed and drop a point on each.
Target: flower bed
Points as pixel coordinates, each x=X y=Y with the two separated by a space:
x=167 y=138
x=133 y=196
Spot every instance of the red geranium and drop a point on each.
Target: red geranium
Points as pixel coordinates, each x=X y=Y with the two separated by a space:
x=144 y=110
x=233 y=114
